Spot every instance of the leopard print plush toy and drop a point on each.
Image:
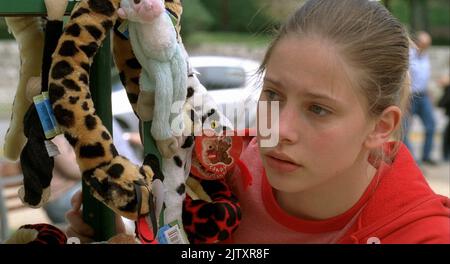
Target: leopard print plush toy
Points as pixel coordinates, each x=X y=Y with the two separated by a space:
x=112 y=178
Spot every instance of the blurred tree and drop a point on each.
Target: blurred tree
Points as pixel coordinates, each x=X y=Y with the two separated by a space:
x=195 y=18
x=419 y=15
x=280 y=9
x=225 y=14
x=238 y=15
x=429 y=15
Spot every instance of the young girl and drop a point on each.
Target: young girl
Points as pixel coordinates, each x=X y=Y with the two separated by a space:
x=339 y=72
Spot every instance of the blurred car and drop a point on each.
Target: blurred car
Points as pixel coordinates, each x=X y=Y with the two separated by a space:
x=234 y=85
x=232 y=82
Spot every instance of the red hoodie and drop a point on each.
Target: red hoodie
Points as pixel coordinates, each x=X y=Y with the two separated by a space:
x=397 y=207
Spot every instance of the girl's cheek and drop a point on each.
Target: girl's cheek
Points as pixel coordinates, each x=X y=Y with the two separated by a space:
x=322 y=141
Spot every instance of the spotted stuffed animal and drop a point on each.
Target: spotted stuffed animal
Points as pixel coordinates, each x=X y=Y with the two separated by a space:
x=211 y=212
x=112 y=178
x=202 y=112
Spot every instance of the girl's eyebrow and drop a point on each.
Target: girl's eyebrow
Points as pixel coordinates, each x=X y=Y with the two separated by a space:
x=271 y=80
x=306 y=94
x=313 y=95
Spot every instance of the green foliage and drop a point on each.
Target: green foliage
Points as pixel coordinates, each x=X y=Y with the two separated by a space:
x=440 y=12
x=437 y=14
x=439 y=20
x=195 y=18
x=401 y=9
x=238 y=15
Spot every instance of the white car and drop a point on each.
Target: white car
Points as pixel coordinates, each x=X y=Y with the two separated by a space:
x=232 y=82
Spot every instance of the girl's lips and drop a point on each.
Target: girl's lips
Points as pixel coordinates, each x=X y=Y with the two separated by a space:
x=281 y=165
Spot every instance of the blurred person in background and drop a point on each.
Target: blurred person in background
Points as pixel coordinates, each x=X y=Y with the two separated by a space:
x=421 y=105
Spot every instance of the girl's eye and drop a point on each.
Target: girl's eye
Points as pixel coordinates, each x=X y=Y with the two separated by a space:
x=270 y=95
x=137 y=1
x=318 y=110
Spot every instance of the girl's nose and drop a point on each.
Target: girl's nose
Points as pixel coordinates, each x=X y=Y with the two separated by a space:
x=288 y=123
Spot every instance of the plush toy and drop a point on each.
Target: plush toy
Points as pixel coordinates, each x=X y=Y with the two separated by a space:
x=176 y=171
x=128 y=66
x=30 y=38
x=112 y=178
x=201 y=112
x=211 y=212
x=38 y=234
x=170 y=194
x=163 y=79
x=36 y=158
x=165 y=61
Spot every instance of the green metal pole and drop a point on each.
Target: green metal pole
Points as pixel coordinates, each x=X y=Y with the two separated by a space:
x=95 y=213
x=27 y=7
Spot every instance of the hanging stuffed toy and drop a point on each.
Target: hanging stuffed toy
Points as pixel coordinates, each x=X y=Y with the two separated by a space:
x=112 y=178
x=36 y=158
x=30 y=38
x=202 y=112
x=211 y=212
x=128 y=66
x=199 y=112
x=163 y=79
x=168 y=191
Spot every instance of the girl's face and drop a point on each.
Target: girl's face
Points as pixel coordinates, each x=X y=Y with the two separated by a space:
x=322 y=118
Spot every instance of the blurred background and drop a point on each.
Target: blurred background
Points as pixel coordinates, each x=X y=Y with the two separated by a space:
x=241 y=31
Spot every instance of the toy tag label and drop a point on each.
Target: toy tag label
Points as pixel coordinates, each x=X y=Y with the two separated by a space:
x=123 y=29
x=171 y=234
x=215 y=156
x=46 y=116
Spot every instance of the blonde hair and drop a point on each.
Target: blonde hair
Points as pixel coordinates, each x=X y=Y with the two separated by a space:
x=370 y=40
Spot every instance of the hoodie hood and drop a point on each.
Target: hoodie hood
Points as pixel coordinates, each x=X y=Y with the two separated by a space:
x=403 y=209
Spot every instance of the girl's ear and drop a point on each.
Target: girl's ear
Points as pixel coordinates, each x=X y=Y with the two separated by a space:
x=385 y=126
